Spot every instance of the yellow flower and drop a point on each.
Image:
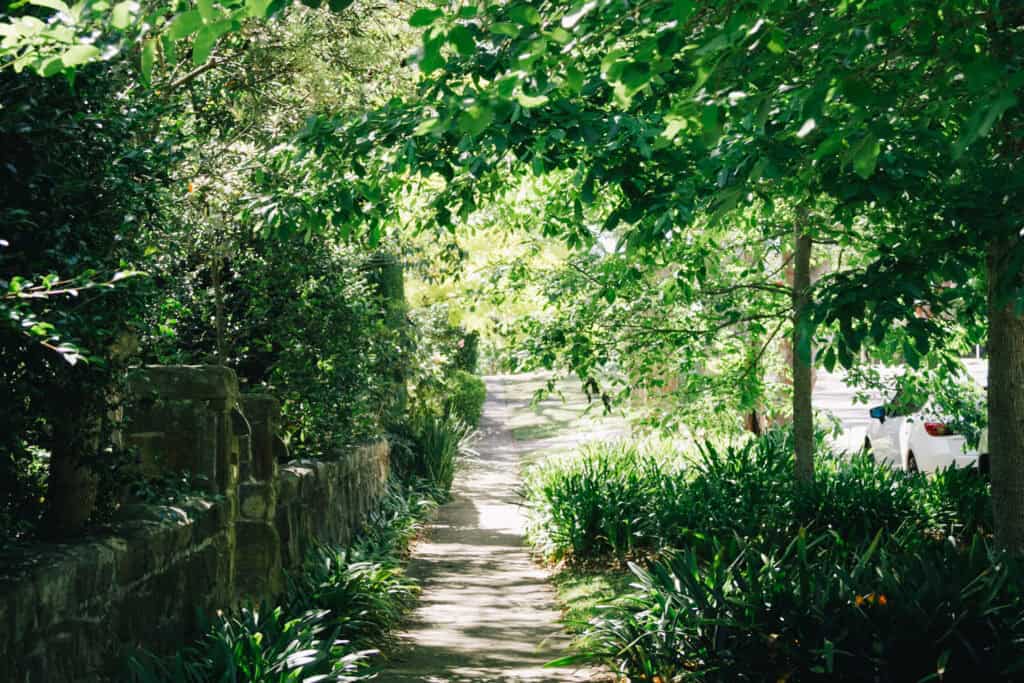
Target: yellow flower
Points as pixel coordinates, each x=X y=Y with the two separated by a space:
x=859 y=600
x=882 y=600
x=871 y=598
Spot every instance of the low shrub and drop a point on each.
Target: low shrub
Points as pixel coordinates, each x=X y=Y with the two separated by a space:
x=259 y=644
x=466 y=396
x=612 y=499
x=817 y=610
x=868 y=574
x=596 y=504
x=856 y=497
x=955 y=502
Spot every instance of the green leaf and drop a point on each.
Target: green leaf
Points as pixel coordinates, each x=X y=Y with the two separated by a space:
x=777 y=42
x=428 y=126
x=257 y=9
x=865 y=156
x=206 y=10
x=339 y=5
x=682 y=9
x=530 y=101
x=505 y=28
x=431 y=59
x=462 y=38
x=910 y=354
x=981 y=121
x=51 y=4
x=673 y=125
x=712 y=125
x=207 y=38
x=559 y=35
x=636 y=75
x=524 y=14
x=50 y=67
x=424 y=17
x=185 y=24
x=574 y=79
x=830 y=359
x=203 y=45
x=80 y=54
x=170 y=49
x=123 y=14
x=475 y=119
x=148 y=59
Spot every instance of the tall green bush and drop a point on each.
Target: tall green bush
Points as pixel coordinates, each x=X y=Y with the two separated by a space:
x=466 y=395
x=81 y=172
x=304 y=323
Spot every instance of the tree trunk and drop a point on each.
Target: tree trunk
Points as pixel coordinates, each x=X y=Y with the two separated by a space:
x=1005 y=399
x=803 y=416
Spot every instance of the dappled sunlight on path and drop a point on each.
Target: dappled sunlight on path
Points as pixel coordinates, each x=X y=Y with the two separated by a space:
x=487 y=612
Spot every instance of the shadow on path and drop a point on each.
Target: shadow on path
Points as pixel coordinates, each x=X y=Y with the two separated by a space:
x=487 y=612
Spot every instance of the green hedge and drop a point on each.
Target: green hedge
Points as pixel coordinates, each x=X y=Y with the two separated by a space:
x=466 y=397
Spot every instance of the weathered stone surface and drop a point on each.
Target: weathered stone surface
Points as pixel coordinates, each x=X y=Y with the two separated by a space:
x=191 y=382
x=258 y=560
x=187 y=419
x=68 y=610
x=264 y=413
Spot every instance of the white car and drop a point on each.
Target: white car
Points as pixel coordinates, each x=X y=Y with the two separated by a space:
x=920 y=442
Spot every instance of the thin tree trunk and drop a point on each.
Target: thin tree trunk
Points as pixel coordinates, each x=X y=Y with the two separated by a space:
x=803 y=417
x=218 y=303
x=1005 y=400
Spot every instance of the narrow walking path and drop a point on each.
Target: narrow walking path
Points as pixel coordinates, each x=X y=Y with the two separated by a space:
x=487 y=612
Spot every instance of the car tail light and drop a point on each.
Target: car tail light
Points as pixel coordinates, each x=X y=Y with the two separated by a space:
x=937 y=429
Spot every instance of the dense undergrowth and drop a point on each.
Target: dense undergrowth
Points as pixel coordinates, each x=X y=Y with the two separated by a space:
x=741 y=573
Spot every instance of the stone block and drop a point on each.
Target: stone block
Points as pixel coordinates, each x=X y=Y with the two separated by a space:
x=65 y=609
x=257 y=501
x=189 y=382
x=264 y=414
x=258 y=564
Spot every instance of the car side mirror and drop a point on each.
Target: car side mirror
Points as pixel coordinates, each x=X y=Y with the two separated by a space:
x=877 y=413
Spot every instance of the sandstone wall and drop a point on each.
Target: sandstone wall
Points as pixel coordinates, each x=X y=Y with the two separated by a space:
x=67 y=611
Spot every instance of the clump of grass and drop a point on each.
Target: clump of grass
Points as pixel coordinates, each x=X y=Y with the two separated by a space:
x=428 y=449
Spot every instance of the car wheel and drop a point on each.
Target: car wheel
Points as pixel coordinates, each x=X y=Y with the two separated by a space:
x=867 y=450
x=984 y=465
x=911 y=463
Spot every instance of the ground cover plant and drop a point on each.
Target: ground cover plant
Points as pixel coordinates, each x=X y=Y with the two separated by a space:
x=742 y=573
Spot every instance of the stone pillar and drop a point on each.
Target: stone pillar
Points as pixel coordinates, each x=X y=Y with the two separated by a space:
x=258 y=549
x=187 y=418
